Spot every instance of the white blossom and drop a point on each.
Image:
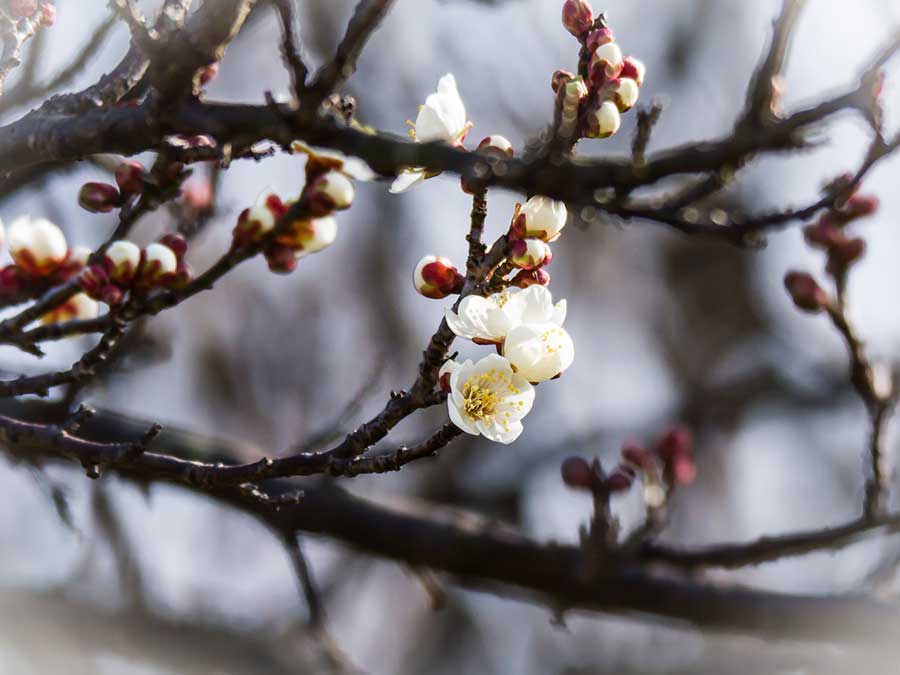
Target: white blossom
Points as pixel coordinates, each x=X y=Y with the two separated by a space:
x=488 y=398
x=37 y=246
x=541 y=218
x=539 y=351
x=488 y=320
x=442 y=118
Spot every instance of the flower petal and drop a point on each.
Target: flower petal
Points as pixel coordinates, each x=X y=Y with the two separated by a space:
x=559 y=313
x=499 y=433
x=460 y=420
x=405 y=180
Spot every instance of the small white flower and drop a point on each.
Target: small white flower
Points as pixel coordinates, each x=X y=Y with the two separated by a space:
x=123 y=258
x=534 y=305
x=319 y=233
x=540 y=218
x=354 y=167
x=488 y=320
x=442 y=118
x=37 y=246
x=539 y=351
x=488 y=398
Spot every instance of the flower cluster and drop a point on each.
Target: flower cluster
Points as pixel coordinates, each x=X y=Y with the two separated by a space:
x=103 y=197
x=328 y=188
x=829 y=234
x=668 y=465
x=608 y=83
x=128 y=268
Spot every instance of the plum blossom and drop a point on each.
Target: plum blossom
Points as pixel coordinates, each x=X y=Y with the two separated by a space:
x=488 y=398
x=540 y=218
x=539 y=351
x=442 y=118
x=488 y=320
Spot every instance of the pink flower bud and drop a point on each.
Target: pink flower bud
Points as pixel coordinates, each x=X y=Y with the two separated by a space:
x=92 y=280
x=619 y=480
x=529 y=254
x=130 y=178
x=559 y=79
x=676 y=441
x=598 y=38
x=281 y=259
x=208 y=73
x=602 y=121
x=823 y=234
x=496 y=146
x=436 y=277
x=23 y=8
x=845 y=253
x=805 y=292
x=329 y=192
x=637 y=456
x=683 y=470
x=111 y=295
x=122 y=261
x=198 y=196
x=48 y=14
x=526 y=278
x=99 y=197
x=577 y=473
x=176 y=242
x=860 y=206
x=577 y=17
x=633 y=69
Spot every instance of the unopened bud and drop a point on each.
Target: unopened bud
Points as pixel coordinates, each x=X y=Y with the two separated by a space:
x=638 y=456
x=255 y=222
x=574 y=92
x=606 y=64
x=37 y=246
x=860 y=206
x=559 y=79
x=619 y=480
x=496 y=146
x=625 y=93
x=598 y=38
x=529 y=254
x=805 y=292
x=539 y=218
x=159 y=264
x=577 y=473
x=92 y=280
x=281 y=259
x=176 y=242
x=329 y=192
x=79 y=306
x=309 y=236
x=603 y=121
x=577 y=17
x=130 y=178
x=208 y=73
x=436 y=277
x=844 y=254
x=526 y=278
x=99 y=197
x=676 y=441
x=823 y=234
x=122 y=260
x=633 y=69
x=111 y=295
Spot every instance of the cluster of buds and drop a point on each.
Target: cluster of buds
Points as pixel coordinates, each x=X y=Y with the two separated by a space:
x=829 y=234
x=608 y=83
x=126 y=267
x=328 y=189
x=534 y=226
x=104 y=197
x=668 y=465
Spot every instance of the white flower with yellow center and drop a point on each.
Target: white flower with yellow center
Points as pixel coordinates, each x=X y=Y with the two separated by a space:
x=488 y=320
x=488 y=398
x=442 y=118
x=539 y=351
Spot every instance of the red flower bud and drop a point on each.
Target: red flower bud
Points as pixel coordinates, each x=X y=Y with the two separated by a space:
x=843 y=254
x=435 y=277
x=526 y=278
x=676 y=441
x=633 y=69
x=92 y=280
x=577 y=473
x=130 y=178
x=577 y=17
x=619 y=480
x=99 y=197
x=805 y=292
x=860 y=206
x=176 y=242
x=637 y=455
x=823 y=234
x=281 y=259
